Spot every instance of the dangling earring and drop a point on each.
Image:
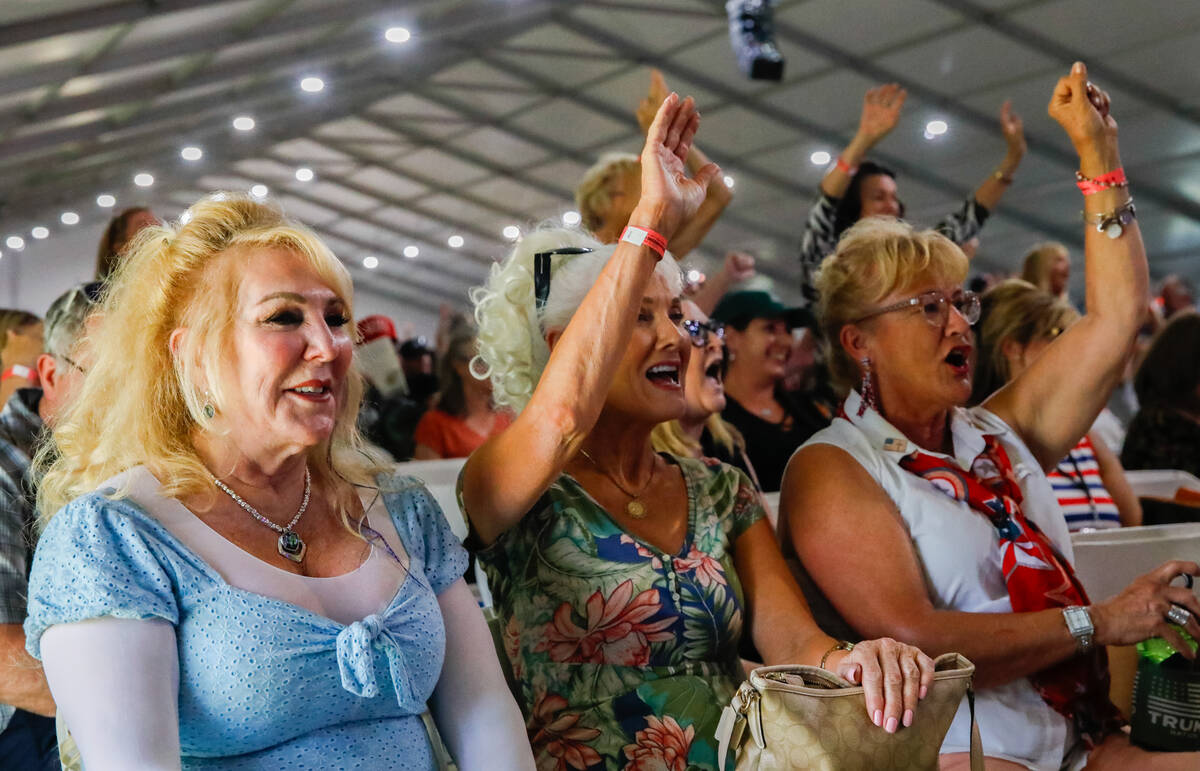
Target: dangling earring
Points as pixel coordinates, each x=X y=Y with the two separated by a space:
x=208 y=409
x=866 y=388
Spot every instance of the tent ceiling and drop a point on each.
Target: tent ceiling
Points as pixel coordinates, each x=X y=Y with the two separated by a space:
x=493 y=109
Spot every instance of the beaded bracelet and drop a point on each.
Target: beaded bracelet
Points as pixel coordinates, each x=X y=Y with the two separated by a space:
x=1114 y=178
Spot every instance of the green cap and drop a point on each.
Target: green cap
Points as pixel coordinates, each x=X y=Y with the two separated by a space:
x=750 y=304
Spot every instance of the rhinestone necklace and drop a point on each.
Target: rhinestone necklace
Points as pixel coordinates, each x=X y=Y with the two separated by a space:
x=634 y=508
x=290 y=545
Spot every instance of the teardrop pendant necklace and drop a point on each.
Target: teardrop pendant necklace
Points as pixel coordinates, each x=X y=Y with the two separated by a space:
x=289 y=545
x=635 y=508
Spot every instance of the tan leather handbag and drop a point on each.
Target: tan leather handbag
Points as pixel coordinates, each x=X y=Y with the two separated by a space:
x=798 y=717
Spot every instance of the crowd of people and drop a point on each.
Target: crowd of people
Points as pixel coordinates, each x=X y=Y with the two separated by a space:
x=212 y=554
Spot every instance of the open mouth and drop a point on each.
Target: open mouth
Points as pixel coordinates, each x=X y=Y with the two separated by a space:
x=713 y=372
x=959 y=360
x=664 y=375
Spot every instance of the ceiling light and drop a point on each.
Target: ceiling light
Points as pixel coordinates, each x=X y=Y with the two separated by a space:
x=370 y=262
x=455 y=242
x=105 y=201
x=728 y=181
x=243 y=123
x=259 y=191
x=15 y=242
x=144 y=179
x=397 y=35
x=312 y=84
x=512 y=232
x=571 y=218
x=694 y=276
x=191 y=153
x=304 y=175
x=411 y=251
x=935 y=128
x=820 y=158
x=39 y=233
x=69 y=218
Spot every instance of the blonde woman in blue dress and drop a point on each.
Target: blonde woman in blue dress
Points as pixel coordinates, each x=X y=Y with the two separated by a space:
x=228 y=578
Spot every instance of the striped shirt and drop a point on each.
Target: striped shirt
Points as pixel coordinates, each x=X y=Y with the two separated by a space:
x=1081 y=493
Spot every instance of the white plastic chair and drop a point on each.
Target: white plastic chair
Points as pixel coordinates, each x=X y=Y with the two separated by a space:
x=1107 y=560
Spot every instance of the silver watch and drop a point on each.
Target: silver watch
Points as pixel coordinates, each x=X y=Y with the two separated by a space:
x=1079 y=624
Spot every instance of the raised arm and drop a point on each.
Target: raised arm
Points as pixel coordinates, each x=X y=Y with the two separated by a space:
x=693 y=230
x=1054 y=402
x=850 y=537
x=997 y=183
x=880 y=113
x=504 y=478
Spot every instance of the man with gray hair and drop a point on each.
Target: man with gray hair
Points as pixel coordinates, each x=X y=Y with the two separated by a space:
x=27 y=737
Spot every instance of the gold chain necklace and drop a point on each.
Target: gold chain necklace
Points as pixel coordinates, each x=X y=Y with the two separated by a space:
x=634 y=508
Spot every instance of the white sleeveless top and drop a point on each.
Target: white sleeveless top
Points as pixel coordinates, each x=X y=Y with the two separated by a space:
x=960 y=558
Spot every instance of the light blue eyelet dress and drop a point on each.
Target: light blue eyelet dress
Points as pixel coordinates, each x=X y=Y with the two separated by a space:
x=263 y=683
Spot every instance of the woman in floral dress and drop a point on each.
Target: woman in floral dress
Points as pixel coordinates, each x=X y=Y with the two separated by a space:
x=625 y=577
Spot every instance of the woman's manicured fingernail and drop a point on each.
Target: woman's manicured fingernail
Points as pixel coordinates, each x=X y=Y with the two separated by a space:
x=891 y=725
x=878 y=717
x=908 y=717
x=924 y=690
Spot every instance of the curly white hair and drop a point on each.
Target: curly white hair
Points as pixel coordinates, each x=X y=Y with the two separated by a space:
x=512 y=334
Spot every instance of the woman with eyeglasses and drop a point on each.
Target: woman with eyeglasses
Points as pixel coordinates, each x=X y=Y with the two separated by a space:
x=1016 y=324
x=934 y=523
x=701 y=432
x=626 y=577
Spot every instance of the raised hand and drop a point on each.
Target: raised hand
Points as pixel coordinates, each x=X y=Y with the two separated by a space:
x=738 y=266
x=894 y=677
x=1082 y=110
x=648 y=107
x=1013 y=128
x=669 y=196
x=880 y=112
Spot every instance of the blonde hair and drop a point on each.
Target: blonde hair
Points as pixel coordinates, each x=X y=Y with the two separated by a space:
x=874 y=258
x=1013 y=310
x=1036 y=266
x=140 y=403
x=591 y=195
x=512 y=334
x=669 y=437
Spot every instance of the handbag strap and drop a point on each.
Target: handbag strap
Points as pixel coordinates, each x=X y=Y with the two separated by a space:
x=976 y=742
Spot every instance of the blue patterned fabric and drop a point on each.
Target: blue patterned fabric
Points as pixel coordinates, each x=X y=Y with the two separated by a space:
x=263 y=684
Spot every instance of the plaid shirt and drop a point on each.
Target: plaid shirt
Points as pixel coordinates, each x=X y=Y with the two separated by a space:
x=20 y=429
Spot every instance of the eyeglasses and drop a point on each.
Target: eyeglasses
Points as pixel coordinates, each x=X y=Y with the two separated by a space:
x=935 y=306
x=699 y=331
x=70 y=361
x=541 y=272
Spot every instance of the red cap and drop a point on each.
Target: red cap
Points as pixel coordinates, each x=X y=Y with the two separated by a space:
x=375 y=327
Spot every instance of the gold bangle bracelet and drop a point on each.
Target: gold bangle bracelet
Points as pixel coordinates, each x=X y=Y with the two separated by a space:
x=841 y=646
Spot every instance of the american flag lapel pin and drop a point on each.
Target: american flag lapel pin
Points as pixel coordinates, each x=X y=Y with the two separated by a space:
x=892 y=444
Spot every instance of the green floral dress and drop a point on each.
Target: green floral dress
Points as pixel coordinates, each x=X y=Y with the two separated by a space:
x=624 y=655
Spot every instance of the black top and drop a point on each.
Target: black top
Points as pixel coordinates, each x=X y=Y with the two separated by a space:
x=770 y=445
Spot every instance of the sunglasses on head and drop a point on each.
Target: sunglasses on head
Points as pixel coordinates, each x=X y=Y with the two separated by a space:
x=541 y=271
x=700 y=330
